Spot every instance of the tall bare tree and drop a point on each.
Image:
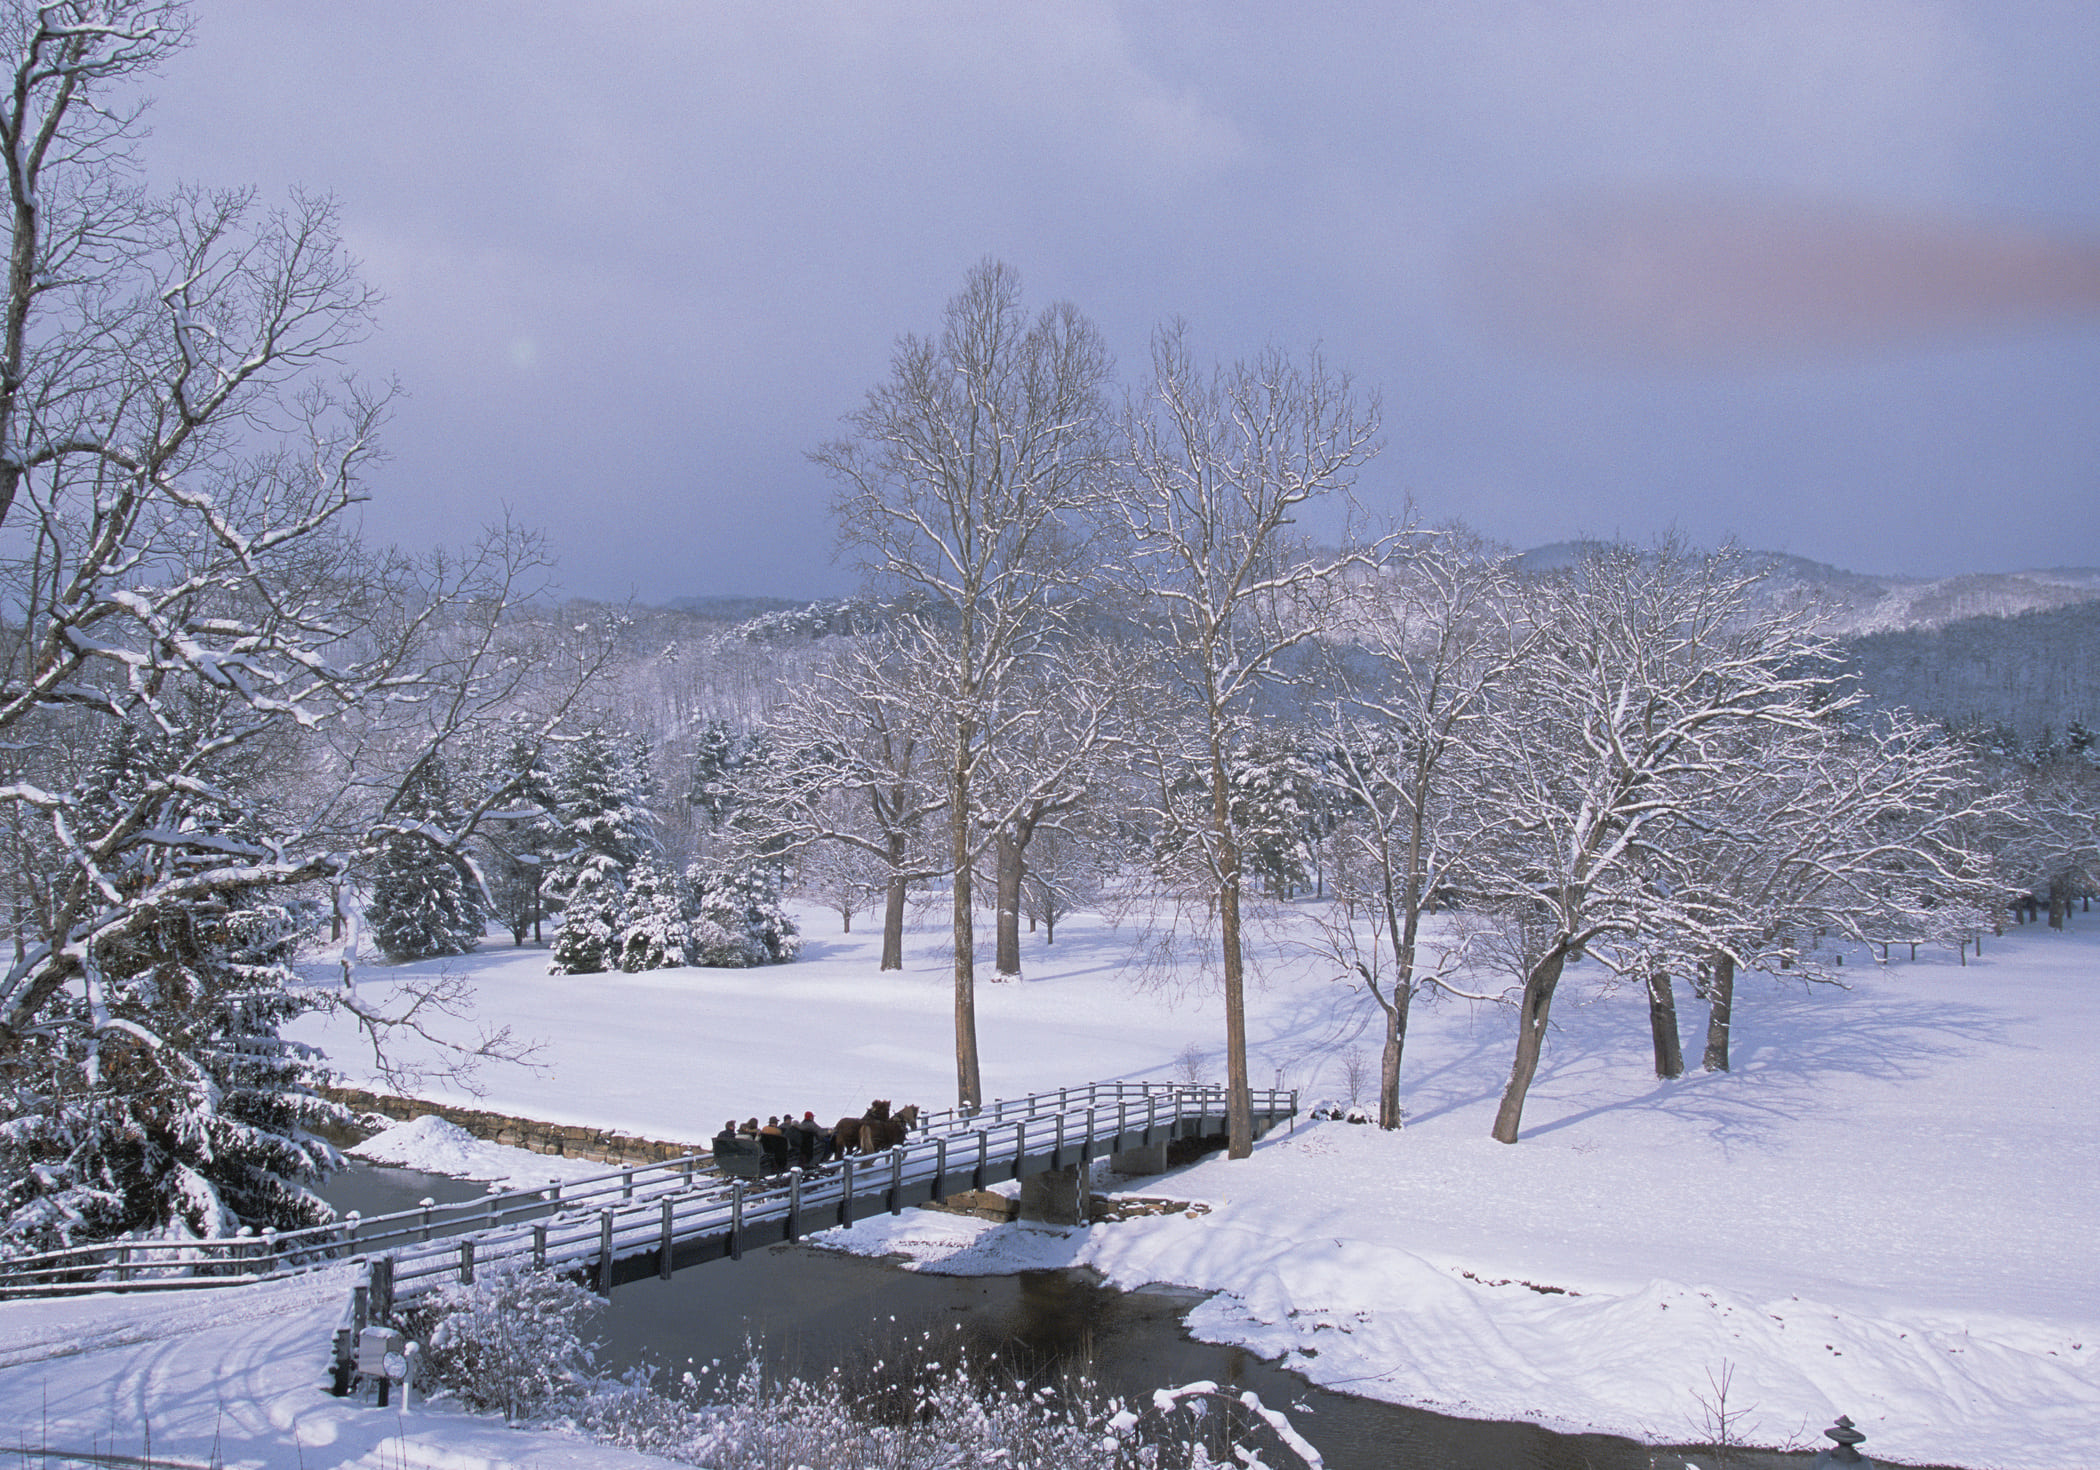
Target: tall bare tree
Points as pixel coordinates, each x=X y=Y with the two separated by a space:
x=1427 y=648
x=183 y=602
x=853 y=768
x=1643 y=671
x=1223 y=465
x=970 y=490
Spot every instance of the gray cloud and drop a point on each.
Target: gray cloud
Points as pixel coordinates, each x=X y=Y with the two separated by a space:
x=640 y=257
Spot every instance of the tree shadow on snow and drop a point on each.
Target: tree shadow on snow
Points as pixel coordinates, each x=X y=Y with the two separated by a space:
x=1790 y=1041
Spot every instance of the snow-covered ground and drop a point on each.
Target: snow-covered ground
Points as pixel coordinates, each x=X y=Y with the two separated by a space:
x=1886 y=1210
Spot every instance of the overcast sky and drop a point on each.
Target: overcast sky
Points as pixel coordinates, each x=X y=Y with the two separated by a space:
x=1815 y=274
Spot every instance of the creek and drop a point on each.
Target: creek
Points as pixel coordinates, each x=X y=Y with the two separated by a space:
x=809 y=1311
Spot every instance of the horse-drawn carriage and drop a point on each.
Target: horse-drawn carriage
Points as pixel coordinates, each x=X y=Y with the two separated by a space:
x=754 y=1153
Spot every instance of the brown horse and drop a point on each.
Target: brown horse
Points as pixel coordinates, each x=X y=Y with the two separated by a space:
x=845 y=1136
x=881 y=1133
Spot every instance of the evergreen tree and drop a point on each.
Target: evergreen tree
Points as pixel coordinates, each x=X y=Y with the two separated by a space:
x=521 y=835
x=161 y=1098
x=738 y=919
x=425 y=902
x=654 y=934
x=601 y=792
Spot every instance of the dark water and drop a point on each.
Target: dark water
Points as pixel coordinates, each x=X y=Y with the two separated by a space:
x=809 y=1311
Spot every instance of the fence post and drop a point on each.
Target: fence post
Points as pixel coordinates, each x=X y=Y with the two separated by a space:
x=1057 y=1145
x=984 y=1144
x=466 y=1261
x=940 y=1167
x=846 y=1192
x=382 y=1290
x=425 y=1205
x=663 y=1263
x=539 y=1244
x=794 y=1224
x=736 y=1219
x=896 y=1178
x=605 y=1234
x=1086 y=1149
x=626 y=1184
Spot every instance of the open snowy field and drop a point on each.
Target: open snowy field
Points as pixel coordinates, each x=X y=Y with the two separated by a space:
x=1886 y=1210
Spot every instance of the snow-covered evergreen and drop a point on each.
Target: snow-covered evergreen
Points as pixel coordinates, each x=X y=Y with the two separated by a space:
x=424 y=901
x=160 y=1097
x=654 y=933
x=738 y=919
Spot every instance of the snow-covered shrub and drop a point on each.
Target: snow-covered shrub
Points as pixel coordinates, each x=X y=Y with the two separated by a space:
x=588 y=940
x=738 y=919
x=654 y=933
x=512 y=1342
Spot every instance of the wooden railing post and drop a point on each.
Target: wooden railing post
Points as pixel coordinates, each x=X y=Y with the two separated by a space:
x=605 y=1251
x=896 y=1179
x=736 y=1219
x=663 y=1259
x=466 y=1261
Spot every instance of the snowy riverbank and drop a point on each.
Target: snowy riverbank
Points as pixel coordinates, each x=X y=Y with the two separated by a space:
x=1884 y=1211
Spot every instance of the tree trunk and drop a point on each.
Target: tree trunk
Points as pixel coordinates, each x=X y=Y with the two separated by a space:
x=2059 y=900
x=1389 y=1062
x=1721 y=1015
x=893 y=910
x=1532 y=1014
x=1662 y=1021
x=1239 y=1097
x=969 y=1088
x=1008 y=964
x=846 y=921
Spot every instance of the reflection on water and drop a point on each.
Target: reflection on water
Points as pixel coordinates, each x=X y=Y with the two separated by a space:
x=811 y=1311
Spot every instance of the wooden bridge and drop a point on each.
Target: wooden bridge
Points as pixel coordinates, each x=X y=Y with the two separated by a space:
x=653 y=1220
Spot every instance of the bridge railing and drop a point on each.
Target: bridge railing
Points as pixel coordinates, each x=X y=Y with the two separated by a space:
x=1069 y=1118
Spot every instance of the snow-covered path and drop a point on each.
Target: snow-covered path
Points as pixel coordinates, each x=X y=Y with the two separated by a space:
x=233 y=1379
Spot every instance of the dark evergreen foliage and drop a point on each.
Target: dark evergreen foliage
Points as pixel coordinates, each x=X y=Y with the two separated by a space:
x=425 y=902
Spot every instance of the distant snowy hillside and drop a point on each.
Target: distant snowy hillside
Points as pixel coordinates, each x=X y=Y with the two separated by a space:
x=1861 y=603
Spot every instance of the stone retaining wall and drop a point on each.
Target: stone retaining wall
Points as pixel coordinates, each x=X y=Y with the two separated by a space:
x=591 y=1144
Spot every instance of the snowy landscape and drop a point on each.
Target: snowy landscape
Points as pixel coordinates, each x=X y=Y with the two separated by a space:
x=1681 y=954
x=1810 y=1220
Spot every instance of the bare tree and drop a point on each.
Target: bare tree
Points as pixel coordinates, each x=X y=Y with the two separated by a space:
x=1863 y=830
x=1642 y=671
x=853 y=767
x=1051 y=766
x=1223 y=465
x=185 y=605
x=969 y=491
x=1427 y=648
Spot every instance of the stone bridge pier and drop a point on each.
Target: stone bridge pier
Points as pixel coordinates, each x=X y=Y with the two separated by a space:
x=1066 y=1196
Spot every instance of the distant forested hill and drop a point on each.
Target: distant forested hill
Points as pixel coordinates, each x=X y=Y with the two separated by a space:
x=2032 y=671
